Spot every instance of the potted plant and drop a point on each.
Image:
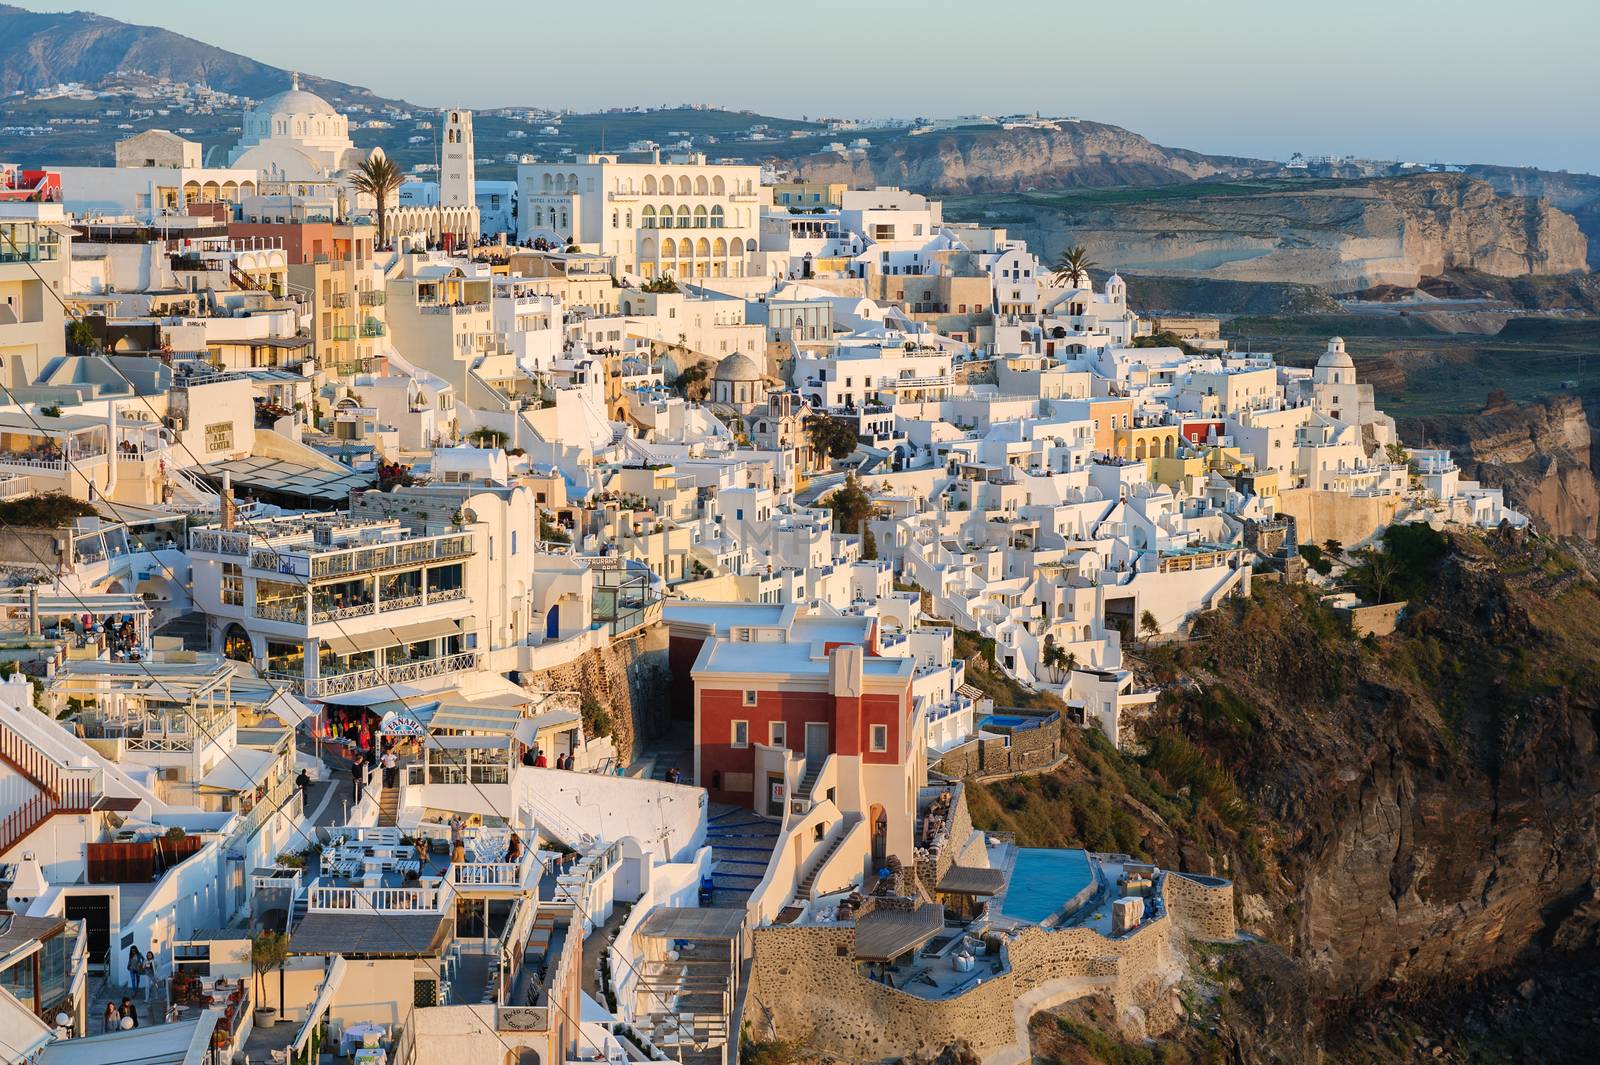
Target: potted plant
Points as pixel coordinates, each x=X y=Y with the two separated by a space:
x=268 y=951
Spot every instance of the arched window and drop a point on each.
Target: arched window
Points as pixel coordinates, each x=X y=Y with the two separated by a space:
x=648 y=217
x=716 y=217
x=736 y=249
x=666 y=216
x=718 y=186
x=700 y=218
x=649 y=185
x=666 y=185
x=548 y=183
x=683 y=216
x=702 y=248
x=615 y=218
x=629 y=222
x=720 y=248
x=683 y=185
x=700 y=186
x=669 y=248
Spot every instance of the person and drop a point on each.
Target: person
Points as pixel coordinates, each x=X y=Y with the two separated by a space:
x=514 y=848
x=303 y=782
x=113 y=1016
x=539 y=761
x=458 y=842
x=527 y=756
x=672 y=775
x=150 y=974
x=561 y=761
x=129 y=1013
x=391 y=767
x=135 y=966
x=356 y=773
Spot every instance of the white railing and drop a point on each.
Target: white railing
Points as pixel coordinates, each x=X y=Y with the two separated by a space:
x=14 y=486
x=488 y=874
x=324 y=898
x=404 y=672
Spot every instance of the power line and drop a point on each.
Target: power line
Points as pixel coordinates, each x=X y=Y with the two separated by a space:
x=304 y=582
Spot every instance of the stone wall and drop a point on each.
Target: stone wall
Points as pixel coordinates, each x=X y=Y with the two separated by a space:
x=1320 y=516
x=1202 y=906
x=805 y=985
x=1378 y=619
x=630 y=680
x=933 y=861
x=986 y=755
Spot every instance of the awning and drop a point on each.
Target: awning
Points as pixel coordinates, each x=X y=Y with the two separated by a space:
x=530 y=727
x=426 y=630
x=883 y=935
x=361 y=641
x=972 y=880
x=243 y=768
x=461 y=717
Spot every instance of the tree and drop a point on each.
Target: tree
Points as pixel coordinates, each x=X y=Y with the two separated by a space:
x=81 y=338
x=1072 y=262
x=1397 y=454
x=380 y=178
x=268 y=951
x=869 y=546
x=850 y=505
x=661 y=284
x=484 y=436
x=834 y=437
x=1332 y=547
x=1148 y=624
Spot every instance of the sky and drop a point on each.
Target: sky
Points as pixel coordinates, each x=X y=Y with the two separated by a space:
x=1423 y=80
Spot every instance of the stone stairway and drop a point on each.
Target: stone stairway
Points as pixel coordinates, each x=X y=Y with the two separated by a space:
x=741 y=846
x=808 y=782
x=191 y=628
x=389 y=807
x=830 y=845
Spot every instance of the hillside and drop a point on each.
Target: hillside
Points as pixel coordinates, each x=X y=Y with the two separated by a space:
x=1337 y=236
x=41 y=49
x=1413 y=823
x=1079 y=154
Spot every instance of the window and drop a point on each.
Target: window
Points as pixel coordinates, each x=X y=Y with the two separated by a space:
x=880 y=738
x=750 y=693
x=776 y=735
x=232 y=584
x=741 y=734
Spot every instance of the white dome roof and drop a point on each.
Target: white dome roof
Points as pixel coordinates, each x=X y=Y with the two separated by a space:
x=295 y=101
x=1336 y=355
x=737 y=367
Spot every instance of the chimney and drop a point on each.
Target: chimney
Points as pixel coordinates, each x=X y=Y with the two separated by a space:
x=227 y=500
x=33 y=610
x=28 y=884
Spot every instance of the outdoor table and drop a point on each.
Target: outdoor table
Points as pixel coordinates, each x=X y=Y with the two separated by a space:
x=362 y=1035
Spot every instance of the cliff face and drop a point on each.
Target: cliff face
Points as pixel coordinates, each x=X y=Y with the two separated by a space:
x=1540 y=453
x=1078 y=154
x=1405 y=820
x=1339 y=237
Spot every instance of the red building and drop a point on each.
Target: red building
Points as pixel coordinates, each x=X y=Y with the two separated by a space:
x=783 y=699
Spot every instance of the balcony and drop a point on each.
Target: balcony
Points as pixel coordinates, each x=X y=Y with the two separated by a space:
x=371 y=298
x=329 y=898
x=340 y=332
x=372 y=328
x=348 y=561
x=402 y=673
x=338 y=299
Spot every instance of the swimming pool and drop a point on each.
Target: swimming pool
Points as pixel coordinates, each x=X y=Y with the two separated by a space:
x=1015 y=722
x=1046 y=882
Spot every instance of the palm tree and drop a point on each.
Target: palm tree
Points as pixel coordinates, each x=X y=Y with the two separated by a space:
x=379 y=178
x=1073 y=262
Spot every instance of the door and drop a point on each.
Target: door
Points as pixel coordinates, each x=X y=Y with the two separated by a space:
x=817 y=747
x=95 y=913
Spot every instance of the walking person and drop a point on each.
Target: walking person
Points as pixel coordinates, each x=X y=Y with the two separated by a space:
x=113 y=1017
x=151 y=976
x=135 y=967
x=391 y=766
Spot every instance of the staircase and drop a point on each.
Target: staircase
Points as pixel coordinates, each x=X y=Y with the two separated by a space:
x=808 y=782
x=189 y=492
x=58 y=789
x=389 y=806
x=834 y=841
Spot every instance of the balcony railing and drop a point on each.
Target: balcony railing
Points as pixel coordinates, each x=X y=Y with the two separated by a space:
x=339 y=299
x=289 y=610
x=372 y=298
x=221 y=542
x=372 y=329
x=430 y=898
x=402 y=673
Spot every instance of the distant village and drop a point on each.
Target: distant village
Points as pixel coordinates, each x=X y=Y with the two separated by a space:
x=452 y=620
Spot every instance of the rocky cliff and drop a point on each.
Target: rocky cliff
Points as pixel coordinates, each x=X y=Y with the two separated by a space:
x=1338 y=236
x=1077 y=154
x=1541 y=453
x=1408 y=820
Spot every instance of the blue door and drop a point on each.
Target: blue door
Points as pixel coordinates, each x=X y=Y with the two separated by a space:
x=552 y=622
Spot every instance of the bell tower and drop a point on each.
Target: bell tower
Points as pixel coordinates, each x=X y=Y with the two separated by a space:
x=457 y=178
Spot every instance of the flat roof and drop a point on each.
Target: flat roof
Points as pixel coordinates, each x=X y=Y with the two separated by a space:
x=184 y=1042
x=972 y=880
x=700 y=923
x=288 y=478
x=883 y=935
x=369 y=934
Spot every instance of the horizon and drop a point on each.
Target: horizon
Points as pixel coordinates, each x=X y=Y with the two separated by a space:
x=1182 y=80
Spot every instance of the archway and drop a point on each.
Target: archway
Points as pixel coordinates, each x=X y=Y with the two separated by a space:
x=236 y=644
x=878 y=818
x=552 y=622
x=522 y=1056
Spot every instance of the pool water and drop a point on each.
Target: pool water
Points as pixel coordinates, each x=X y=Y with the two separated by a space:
x=1005 y=721
x=1044 y=882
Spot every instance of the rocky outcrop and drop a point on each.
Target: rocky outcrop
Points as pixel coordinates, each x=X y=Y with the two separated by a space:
x=1539 y=452
x=627 y=682
x=1340 y=237
x=1075 y=155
